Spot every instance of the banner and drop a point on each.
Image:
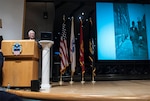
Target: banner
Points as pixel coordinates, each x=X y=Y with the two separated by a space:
x=81 y=58
x=72 y=48
x=91 y=46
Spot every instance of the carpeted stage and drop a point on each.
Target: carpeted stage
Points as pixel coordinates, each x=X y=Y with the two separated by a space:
x=123 y=90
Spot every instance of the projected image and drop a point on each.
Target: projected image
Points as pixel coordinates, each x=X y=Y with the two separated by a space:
x=122 y=31
x=130 y=31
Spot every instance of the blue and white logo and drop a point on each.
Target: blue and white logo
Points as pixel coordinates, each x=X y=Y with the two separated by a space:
x=16 y=49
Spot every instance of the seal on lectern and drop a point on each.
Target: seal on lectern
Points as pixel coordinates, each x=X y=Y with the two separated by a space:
x=16 y=49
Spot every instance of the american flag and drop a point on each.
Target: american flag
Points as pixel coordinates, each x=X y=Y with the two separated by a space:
x=63 y=49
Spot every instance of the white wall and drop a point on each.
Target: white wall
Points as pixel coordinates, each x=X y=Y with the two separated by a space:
x=11 y=13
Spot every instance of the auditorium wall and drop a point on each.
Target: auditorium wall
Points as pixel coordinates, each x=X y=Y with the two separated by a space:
x=11 y=13
x=39 y=16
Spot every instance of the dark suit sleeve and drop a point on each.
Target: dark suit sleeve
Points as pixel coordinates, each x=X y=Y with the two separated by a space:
x=5 y=96
x=1 y=67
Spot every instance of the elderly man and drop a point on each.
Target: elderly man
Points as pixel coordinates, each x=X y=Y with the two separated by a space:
x=31 y=35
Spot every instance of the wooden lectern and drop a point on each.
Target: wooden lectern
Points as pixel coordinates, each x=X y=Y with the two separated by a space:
x=21 y=62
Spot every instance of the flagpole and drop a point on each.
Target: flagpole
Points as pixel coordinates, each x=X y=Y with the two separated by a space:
x=82 y=82
x=81 y=59
x=72 y=50
x=93 y=75
x=91 y=49
x=63 y=51
x=71 y=81
x=60 y=82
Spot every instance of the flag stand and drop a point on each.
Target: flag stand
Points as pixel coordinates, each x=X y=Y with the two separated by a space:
x=91 y=50
x=81 y=59
x=82 y=82
x=93 y=81
x=71 y=81
x=93 y=76
x=63 y=50
x=60 y=82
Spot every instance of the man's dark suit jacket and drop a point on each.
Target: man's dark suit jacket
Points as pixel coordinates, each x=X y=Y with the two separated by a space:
x=5 y=96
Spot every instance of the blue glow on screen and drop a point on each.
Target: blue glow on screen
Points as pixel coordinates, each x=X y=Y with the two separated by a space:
x=105 y=32
x=147 y=10
x=114 y=31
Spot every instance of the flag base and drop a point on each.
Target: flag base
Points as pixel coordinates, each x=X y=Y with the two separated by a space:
x=60 y=82
x=71 y=82
x=82 y=82
x=93 y=82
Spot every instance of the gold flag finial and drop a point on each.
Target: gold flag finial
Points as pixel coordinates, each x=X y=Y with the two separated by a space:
x=64 y=18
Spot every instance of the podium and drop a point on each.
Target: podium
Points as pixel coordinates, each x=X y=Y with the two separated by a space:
x=21 y=62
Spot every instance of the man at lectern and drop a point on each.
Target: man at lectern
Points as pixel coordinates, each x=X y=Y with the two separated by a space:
x=31 y=34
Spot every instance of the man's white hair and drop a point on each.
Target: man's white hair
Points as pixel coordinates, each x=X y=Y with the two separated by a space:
x=31 y=31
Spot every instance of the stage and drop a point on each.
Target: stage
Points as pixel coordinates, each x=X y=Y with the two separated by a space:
x=122 y=90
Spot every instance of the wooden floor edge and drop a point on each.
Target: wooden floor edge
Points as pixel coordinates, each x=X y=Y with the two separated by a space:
x=76 y=97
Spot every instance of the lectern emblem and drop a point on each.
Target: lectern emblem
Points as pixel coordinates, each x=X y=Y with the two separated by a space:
x=16 y=49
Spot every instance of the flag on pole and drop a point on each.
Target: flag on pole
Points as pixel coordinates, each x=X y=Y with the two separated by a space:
x=91 y=46
x=81 y=58
x=63 y=48
x=72 y=48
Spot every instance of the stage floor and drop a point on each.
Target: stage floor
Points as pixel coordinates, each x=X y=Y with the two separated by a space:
x=125 y=90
